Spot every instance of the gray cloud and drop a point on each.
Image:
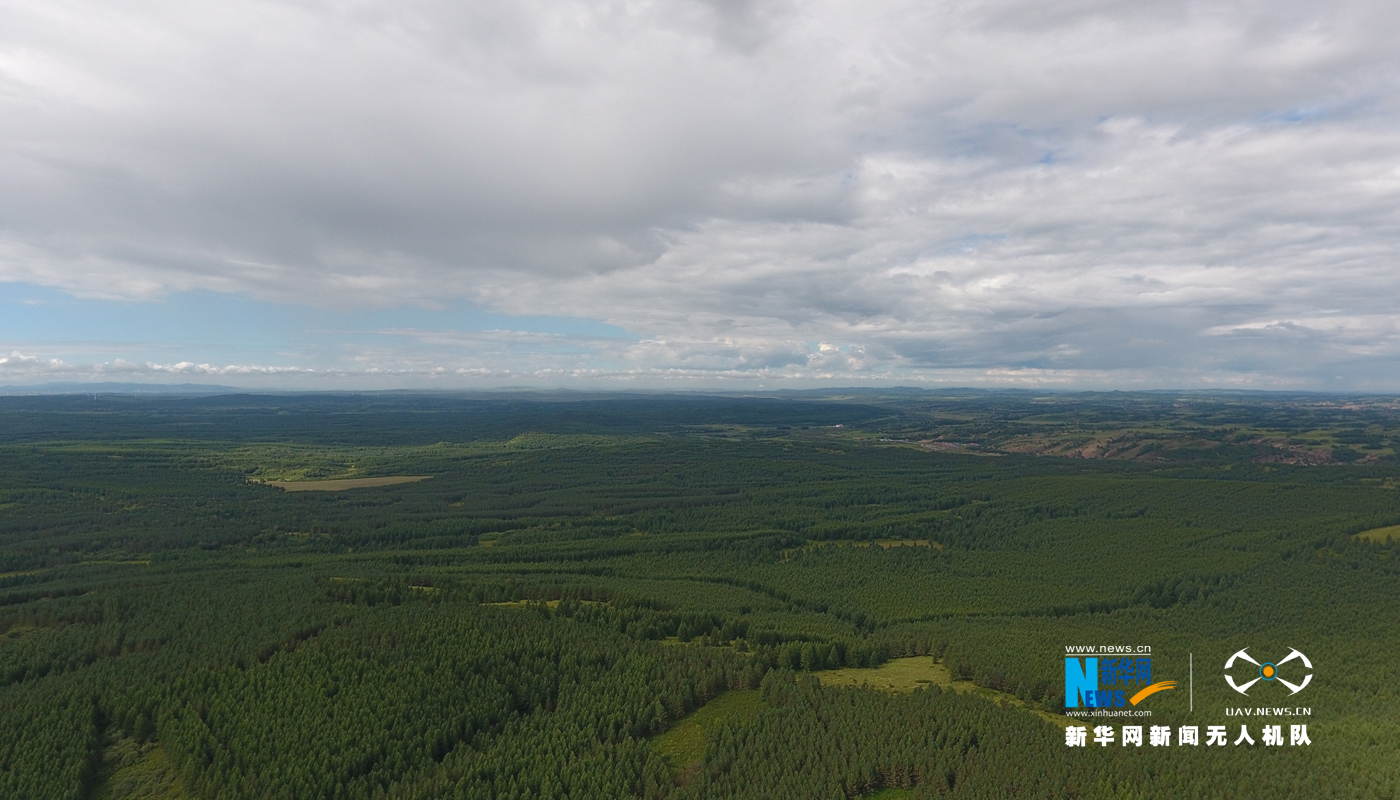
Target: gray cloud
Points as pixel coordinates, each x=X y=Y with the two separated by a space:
x=1166 y=192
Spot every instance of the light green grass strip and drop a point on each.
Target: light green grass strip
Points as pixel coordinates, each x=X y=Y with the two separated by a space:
x=684 y=742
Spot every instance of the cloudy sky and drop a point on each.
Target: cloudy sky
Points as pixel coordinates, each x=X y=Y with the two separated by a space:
x=701 y=193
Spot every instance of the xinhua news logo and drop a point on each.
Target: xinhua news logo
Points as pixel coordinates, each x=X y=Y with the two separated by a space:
x=1110 y=681
x=1268 y=671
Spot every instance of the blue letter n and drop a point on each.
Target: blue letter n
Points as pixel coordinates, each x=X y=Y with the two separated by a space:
x=1081 y=675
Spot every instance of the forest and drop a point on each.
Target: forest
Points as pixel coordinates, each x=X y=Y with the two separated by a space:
x=576 y=578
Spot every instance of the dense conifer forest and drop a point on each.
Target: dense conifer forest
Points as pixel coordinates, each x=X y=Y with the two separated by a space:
x=577 y=575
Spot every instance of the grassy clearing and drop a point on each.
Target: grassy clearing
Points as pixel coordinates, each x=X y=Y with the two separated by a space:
x=21 y=631
x=896 y=675
x=1380 y=535
x=862 y=543
x=347 y=483
x=888 y=543
x=908 y=674
x=138 y=772
x=522 y=603
x=526 y=603
x=684 y=742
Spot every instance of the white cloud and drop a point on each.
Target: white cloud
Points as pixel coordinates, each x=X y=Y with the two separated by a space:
x=23 y=365
x=1153 y=190
x=29 y=368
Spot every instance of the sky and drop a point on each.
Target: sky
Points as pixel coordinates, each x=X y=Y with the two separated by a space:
x=712 y=194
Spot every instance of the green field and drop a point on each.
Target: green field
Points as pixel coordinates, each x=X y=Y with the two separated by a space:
x=681 y=597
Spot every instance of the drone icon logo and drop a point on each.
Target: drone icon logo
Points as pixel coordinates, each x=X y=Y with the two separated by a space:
x=1268 y=671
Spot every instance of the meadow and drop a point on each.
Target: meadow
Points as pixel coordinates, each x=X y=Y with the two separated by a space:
x=865 y=594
